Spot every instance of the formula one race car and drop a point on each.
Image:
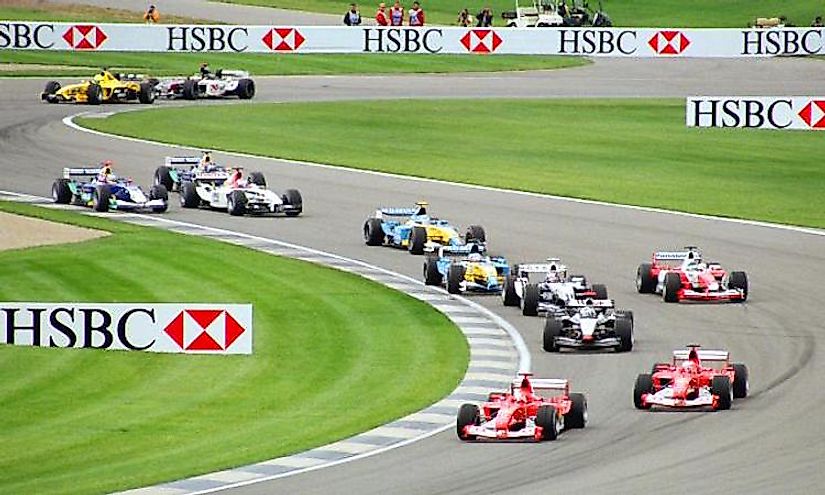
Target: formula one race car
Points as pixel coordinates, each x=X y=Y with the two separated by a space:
x=684 y=276
x=222 y=84
x=589 y=324
x=545 y=288
x=178 y=169
x=466 y=269
x=696 y=378
x=216 y=190
x=413 y=229
x=522 y=413
x=104 y=87
x=81 y=187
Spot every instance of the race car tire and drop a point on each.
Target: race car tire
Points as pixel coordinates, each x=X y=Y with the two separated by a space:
x=530 y=301
x=190 y=90
x=373 y=232
x=468 y=414
x=236 y=203
x=673 y=282
x=431 y=274
x=293 y=197
x=577 y=417
x=600 y=290
x=739 y=280
x=644 y=385
x=146 y=95
x=720 y=385
x=159 y=191
x=546 y=418
x=740 y=381
x=100 y=198
x=189 y=195
x=418 y=238
x=552 y=329
x=246 y=89
x=94 y=95
x=624 y=331
x=455 y=275
x=163 y=176
x=645 y=283
x=508 y=293
x=61 y=192
x=475 y=233
x=257 y=178
x=52 y=87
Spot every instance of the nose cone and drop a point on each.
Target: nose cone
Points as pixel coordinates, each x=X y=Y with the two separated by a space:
x=681 y=386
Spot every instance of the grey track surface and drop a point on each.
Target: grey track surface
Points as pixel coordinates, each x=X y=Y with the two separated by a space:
x=769 y=442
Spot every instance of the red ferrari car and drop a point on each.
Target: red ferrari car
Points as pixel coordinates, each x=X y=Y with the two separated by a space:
x=683 y=276
x=522 y=413
x=696 y=378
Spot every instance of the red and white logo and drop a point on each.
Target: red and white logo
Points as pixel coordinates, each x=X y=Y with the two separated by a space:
x=204 y=329
x=481 y=41
x=813 y=114
x=283 y=39
x=669 y=42
x=84 y=37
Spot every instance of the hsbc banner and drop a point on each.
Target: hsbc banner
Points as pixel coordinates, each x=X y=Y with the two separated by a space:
x=604 y=42
x=769 y=112
x=175 y=328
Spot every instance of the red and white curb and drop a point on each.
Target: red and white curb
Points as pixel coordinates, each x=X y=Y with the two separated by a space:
x=497 y=353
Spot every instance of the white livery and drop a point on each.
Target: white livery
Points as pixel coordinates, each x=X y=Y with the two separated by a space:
x=217 y=190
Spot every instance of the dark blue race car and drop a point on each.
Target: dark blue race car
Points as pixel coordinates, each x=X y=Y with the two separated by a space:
x=81 y=187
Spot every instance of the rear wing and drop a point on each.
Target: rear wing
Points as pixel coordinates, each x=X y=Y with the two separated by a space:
x=704 y=355
x=544 y=383
x=396 y=212
x=181 y=161
x=594 y=303
x=461 y=250
x=670 y=255
x=534 y=267
x=239 y=74
x=71 y=173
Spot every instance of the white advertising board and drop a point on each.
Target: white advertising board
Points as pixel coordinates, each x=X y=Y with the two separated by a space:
x=756 y=112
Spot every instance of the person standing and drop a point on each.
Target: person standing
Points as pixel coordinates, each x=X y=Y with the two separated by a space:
x=485 y=17
x=464 y=19
x=152 y=16
x=397 y=14
x=381 y=16
x=352 y=17
x=416 y=15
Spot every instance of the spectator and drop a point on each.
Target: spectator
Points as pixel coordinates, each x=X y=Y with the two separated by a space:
x=381 y=16
x=817 y=22
x=416 y=15
x=397 y=14
x=152 y=15
x=352 y=17
x=464 y=19
x=563 y=11
x=485 y=17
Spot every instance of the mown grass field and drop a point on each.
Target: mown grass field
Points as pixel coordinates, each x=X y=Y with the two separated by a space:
x=22 y=10
x=636 y=151
x=84 y=421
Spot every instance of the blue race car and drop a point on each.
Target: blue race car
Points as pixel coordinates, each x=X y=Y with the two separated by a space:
x=79 y=186
x=415 y=230
x=466 y=269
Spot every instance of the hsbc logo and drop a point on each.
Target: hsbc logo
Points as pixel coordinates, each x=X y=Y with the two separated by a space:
x=813 y=114
x=758 y=112
x=84 y=37
x=669 y=42
x=481 y=41
x=283 y=39
x=204 y=330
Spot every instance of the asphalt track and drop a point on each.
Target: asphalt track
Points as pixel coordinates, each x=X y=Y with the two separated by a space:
x=769 y=442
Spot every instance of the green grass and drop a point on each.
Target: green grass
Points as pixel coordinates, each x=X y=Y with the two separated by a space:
x=46 y=11
x=335 y=354
x=635 y=151
x=656 y=13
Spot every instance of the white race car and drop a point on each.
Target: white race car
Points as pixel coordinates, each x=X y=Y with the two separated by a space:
x=545 y=288
x=223 y=83
x=213 y=190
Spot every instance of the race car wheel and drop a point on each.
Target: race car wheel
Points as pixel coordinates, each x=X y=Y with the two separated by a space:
x=94 y=95
x=740 y=381
x=418 y=238
x=644 y=385
x=52 y=87
x=468 y=415
x=739 y=280
x=720 y=385
x=61 y=193
x=373 y=232
x=600 y=290
x=645 y=282
x=189 y=195
x=455 y=275
x=159 y=191
x=577 y=417
x=257 y=178
x=546 y=418
x=530 y=301
x=508 y=292
x=100 y=198
x=163 y=176
x=293 y=197
x=673 y=282
x=246 y=89
x=236 y=203
x=552 y=329
x=431 y=274
x=190 y=90
x=475 y=233
x=146 y=94
x=624 y=331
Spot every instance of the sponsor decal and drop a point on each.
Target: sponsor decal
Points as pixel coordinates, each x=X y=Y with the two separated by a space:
x=783 y=42
x=283 y=39
x=84 y=37
x=481 y=41
x=669 y=42
x=18 y=35
x=813 y=114
x=402 y=40
x=204 y=329
x=207 y=39
x=597 y=42
x=794 y=112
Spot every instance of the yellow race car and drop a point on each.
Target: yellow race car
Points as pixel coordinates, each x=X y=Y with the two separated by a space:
x=104 y=87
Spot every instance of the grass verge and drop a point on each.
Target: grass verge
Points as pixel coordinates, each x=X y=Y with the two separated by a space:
x=79 y=421
x=636 y=152
x=21 y=10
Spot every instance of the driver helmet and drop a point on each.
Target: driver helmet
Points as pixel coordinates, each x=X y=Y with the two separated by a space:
x=689 y=366
x=588 y=312
x=474 y=257
x=552 y=276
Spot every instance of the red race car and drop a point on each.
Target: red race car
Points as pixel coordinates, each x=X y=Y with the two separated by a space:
x=521 y=413
x=683 y=276
x=696 y=378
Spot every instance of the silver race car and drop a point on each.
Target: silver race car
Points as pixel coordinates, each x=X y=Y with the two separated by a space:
x=589 y=324
x=545 y=288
